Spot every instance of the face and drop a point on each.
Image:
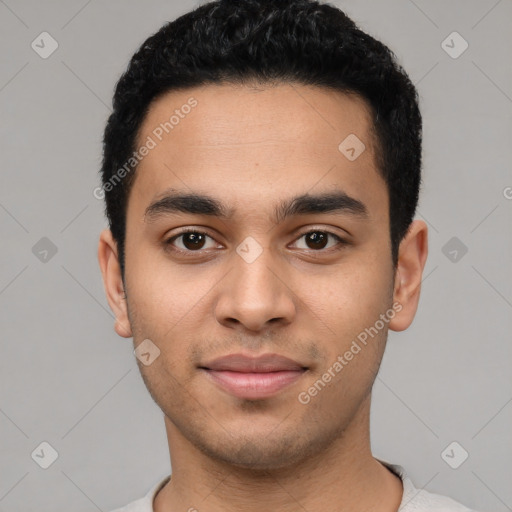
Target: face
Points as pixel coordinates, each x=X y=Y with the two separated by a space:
x=287 y=255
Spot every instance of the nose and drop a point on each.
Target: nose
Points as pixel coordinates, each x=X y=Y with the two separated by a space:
x=255 y=294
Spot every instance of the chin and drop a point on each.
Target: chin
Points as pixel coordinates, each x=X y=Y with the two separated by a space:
x=260 y=451
x=252 y=456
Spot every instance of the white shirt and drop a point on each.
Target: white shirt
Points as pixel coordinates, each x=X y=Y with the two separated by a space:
x=413 y=500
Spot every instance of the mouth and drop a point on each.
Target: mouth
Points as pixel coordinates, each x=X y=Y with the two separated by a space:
x=253 y=378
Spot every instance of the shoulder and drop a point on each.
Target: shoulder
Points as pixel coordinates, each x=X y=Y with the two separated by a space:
x=423 y=501
x=419 y=500
x=144 y=504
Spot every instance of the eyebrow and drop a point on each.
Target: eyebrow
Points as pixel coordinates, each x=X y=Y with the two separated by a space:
x=173 y=201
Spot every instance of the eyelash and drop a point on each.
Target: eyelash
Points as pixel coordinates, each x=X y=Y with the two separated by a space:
x=168 y=243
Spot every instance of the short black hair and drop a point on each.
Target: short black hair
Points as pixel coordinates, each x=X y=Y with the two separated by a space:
x=280 y=41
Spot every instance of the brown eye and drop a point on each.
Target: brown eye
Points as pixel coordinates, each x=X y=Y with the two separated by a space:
x=190 y=241
x=193 y=241
x=318 y=240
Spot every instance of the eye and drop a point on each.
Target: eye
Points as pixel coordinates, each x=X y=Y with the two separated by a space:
x=317 y=240
x=191 y=241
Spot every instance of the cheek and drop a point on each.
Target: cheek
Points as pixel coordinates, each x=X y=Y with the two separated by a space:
x=351 y=306
x=169 y=307
x=156 y=307
x=352 y=299
x=162 y=292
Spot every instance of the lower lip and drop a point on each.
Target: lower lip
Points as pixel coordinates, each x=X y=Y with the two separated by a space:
x=254 y=386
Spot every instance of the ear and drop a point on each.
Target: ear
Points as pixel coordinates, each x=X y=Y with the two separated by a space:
x=113 y=283
x=412 y=256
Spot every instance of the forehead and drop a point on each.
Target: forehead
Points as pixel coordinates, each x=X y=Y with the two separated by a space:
x=256 y=141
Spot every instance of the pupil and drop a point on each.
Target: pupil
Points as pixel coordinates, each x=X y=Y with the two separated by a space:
x=195 y=239
x=318 y=239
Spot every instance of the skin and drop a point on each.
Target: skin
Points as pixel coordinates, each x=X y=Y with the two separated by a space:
x=252 y=147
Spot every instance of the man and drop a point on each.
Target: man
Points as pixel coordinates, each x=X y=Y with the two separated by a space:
x=261 y=173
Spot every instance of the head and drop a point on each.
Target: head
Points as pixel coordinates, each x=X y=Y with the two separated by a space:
x=286 y=144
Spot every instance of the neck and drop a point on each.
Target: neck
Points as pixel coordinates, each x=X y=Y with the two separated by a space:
x=343 y=477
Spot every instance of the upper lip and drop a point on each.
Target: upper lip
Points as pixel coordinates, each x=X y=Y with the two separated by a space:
x=248 y=364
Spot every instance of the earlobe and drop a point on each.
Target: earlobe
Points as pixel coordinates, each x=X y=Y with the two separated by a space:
x=122 y=330
x=113 y=283
x=412 y=256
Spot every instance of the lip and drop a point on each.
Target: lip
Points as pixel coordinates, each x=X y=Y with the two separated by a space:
x=250 y=364
x=253 y=377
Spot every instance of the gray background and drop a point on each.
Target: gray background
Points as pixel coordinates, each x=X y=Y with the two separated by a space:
x=69 y=380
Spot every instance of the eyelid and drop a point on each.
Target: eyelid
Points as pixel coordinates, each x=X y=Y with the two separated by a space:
x=342 y=242
x=324 y=229
x=184 y=231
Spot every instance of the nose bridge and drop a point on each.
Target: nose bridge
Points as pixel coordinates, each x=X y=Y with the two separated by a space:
x=254 y=292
